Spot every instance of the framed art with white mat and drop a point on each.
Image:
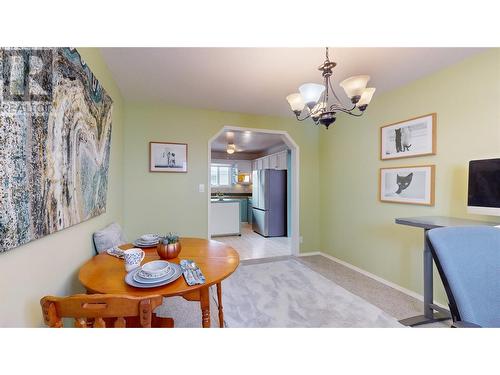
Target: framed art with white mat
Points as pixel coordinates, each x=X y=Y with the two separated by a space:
x=409 y=138
x=412 y=185
x=168 y=157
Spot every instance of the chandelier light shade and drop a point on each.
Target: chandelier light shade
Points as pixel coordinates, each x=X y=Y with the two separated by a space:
x=321 y=103
x=310 y=93
x=366 y=97
x=355 y=86
x=231 y=148
x=296 y=102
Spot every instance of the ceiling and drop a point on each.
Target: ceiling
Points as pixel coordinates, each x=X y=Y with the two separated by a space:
x=247 y=141
x=257 y=80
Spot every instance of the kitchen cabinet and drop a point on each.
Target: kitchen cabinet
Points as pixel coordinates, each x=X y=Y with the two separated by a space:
x=244 y=210
x=265 y=163
x=249 y=211
x=273 y=161
x=244 y=166
x=278 y=161
x=225 y=218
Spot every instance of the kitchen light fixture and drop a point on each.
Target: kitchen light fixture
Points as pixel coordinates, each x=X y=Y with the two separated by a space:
x=231 y=148
x=312 y=100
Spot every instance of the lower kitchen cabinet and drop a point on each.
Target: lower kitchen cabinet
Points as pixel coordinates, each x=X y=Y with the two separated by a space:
x=244 y=210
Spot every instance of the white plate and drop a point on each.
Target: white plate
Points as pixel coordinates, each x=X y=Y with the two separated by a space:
x=143 y=241
x=129 y=278
x=138 y=243
x=149 y=237
x=137 y=277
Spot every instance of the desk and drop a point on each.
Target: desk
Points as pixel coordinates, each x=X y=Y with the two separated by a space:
x=426 y=223
x=106 y=274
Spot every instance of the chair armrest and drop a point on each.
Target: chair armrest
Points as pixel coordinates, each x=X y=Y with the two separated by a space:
x=463 y=324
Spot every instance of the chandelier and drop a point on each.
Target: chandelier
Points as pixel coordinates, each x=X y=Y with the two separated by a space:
x=313 y=100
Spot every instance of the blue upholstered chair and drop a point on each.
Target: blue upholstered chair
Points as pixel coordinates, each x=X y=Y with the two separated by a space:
x=468 y=261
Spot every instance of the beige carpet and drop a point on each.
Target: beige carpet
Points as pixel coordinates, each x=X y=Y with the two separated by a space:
x=281 y=293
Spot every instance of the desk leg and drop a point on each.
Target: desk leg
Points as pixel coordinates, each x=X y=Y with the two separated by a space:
x=219 y=302
x=429 y=307
x=205 y=307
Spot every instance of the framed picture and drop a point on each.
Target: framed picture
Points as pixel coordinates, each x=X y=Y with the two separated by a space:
x=168 y=157
x=413 y=137
x=413 y=185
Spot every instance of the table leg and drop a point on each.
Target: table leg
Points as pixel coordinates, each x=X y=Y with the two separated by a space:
x=205 y=307
x=429 y=307
x=428 y=279
x=219 y=302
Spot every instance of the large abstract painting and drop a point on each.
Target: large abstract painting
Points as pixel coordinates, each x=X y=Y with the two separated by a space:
x=55 y=134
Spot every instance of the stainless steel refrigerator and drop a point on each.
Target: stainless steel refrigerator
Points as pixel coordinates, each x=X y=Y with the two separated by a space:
x=269 y=202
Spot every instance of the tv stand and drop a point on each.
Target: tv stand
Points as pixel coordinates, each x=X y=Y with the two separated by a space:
x=432 y=312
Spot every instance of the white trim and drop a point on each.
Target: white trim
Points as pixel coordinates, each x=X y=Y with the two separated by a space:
x=295 y=155
x=408 y=292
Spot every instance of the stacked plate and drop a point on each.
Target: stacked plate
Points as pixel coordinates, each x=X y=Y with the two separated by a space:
x=147 y=240
x=153 y=274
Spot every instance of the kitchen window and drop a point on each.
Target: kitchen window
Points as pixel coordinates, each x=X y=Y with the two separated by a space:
x=222 y=175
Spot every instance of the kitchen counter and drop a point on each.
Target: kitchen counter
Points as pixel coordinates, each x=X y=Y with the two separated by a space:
x=228 y=200
x=225 y=217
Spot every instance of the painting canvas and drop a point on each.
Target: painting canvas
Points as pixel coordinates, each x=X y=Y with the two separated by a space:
x=55 y=133
x=413 y=185
x=167 y=157
x=414 y=137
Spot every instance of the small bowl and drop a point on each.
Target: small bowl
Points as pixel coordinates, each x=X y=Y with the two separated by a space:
x=149 y=237
x=155 y=269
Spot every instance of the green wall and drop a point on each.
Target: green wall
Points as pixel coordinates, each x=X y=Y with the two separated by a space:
x=162 y=202
x=339 y=210
x=355 y=226
x=52 y=262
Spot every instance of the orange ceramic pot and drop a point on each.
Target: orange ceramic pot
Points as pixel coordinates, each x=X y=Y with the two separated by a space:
x=169 y=251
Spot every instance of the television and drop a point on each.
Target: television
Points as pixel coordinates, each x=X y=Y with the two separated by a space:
x=484 y=187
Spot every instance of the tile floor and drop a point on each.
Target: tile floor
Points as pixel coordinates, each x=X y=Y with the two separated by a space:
x=251 y=245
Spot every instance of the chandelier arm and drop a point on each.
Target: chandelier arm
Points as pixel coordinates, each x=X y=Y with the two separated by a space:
x=338 y=100
x=302 y=119
x=350 y=112
x=336 y=107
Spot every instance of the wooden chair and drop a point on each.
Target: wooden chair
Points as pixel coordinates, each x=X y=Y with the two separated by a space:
x=101 y=310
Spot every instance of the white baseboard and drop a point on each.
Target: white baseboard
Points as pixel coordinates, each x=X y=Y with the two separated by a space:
x=408 y=292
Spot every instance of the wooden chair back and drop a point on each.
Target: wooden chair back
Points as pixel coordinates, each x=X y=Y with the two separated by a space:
x=99 y=310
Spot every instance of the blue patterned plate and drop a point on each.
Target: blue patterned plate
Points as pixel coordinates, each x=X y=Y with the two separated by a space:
x=144 y=280
x=129 y=278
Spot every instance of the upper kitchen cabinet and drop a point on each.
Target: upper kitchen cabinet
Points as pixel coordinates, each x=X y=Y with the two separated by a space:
x=273 y=161
x=281 y=162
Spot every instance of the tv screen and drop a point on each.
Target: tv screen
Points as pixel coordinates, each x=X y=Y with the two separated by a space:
x=484 y=186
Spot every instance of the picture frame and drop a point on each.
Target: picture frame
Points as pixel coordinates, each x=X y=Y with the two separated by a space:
x=409 y=138
x=408 y=184
x=168 y=157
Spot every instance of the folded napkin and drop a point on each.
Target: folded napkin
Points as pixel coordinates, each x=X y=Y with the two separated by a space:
x=192 y=273
x=116 y=252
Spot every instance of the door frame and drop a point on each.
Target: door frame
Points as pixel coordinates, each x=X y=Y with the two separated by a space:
x=295 y=163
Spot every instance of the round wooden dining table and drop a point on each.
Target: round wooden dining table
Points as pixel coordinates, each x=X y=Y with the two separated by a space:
x=106 y=274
